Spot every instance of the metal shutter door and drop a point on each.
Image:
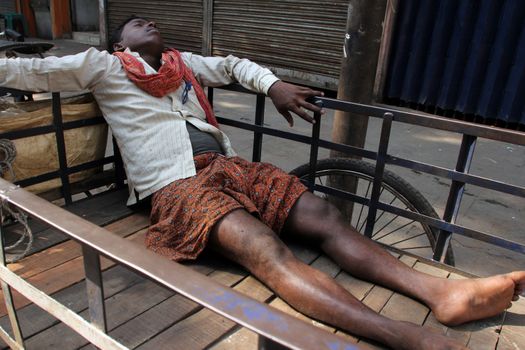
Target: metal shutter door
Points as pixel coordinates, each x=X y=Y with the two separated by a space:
x=180 y=22
x=7 y=6
x=464 y=59
x=302 y=38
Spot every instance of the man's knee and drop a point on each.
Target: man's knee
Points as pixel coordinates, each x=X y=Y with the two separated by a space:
x=331 y=221
x=315 y=218
x=326 y=210
x=329 y=212
x=268 y=258
x=272 y=251
x=312 y=206
x=244 y=239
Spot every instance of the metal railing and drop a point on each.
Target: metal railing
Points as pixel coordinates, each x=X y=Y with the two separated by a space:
x=459 y=175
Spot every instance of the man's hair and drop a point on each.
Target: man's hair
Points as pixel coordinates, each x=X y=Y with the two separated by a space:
x=116 y=35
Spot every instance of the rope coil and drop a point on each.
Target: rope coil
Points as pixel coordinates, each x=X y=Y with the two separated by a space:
x=7 y=156
x=22 y=220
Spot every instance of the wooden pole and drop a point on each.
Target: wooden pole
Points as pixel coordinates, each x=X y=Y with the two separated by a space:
x=102 y=23
x=364 y=28
x=356 y=83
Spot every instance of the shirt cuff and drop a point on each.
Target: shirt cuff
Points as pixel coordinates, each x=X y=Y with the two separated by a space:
x=267 y=82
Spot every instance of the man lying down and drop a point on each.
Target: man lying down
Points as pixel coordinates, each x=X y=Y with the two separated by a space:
x=204 y=197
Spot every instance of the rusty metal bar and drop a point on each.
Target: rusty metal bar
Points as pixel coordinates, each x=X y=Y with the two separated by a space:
x=225 y=301
x=435 y=122
x=74 y=169
x=314 y=150
x=61 y=148
x=8 y=296
x=297 y=137
x=210 y=95
x=259 y=120
x=120 y=174
x=458 y=176
x=94 y=288
x=378 y=176
x=46 y=129
x=466 y=154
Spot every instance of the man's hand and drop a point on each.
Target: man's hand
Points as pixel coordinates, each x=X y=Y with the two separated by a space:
x=292 y=98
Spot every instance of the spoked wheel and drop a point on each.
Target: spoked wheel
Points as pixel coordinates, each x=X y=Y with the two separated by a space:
x=357 y=176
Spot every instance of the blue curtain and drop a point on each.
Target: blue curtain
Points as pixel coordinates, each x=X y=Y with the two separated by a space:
x=464 y=59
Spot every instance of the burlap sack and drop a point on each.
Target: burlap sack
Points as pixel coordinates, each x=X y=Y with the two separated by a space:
x=38 y=155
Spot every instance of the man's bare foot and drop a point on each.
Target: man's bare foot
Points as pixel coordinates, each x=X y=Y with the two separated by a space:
x=461 y=301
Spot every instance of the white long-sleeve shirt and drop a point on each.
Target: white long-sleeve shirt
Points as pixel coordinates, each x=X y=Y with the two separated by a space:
x=150 y=132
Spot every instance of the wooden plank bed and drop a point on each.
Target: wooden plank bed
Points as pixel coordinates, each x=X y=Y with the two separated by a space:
x=141 y=314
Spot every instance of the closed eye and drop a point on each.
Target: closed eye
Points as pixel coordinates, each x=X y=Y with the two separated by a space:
x=139 y=23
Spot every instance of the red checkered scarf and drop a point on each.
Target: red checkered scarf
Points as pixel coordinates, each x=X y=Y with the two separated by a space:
x=168 y=79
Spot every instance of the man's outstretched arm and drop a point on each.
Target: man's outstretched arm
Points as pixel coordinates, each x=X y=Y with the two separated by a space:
x=68 y=73
x=219 y=71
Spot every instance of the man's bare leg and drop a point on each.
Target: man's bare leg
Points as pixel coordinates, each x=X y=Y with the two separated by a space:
x=245 y=240
x=452 y=301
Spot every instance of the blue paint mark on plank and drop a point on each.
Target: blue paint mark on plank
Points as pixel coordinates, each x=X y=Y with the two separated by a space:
x=253 y=310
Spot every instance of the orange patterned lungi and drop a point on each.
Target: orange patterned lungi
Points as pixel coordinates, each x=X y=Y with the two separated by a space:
x=184 y=212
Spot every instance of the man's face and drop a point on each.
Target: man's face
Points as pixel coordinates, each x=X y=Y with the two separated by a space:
x=142 y=36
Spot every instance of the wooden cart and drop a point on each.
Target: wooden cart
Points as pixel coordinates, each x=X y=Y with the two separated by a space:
x=137 y=299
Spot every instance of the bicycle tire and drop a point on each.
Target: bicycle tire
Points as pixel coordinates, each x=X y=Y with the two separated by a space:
x=398 y=187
